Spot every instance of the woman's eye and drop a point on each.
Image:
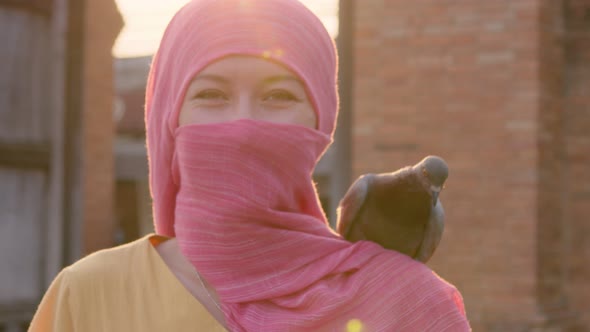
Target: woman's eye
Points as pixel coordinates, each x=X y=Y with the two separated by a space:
x=211 y=95
x=280 y=95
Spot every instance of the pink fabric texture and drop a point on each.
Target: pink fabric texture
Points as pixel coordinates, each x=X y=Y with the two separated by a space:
x=239 y=196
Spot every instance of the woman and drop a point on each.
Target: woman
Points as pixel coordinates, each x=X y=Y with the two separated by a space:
x=241 y=102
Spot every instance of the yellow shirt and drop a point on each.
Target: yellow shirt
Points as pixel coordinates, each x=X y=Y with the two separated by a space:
x=127 y=288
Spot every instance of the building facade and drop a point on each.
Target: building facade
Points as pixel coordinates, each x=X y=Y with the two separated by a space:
x=500 y=90
x=56 y=129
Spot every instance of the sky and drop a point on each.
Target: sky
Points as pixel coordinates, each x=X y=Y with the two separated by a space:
x=145 y=21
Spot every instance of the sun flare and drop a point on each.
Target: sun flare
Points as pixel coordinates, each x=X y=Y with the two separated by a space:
x=354 y=325
x=146 y=20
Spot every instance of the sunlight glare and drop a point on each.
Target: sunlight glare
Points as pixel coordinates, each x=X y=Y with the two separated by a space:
x=146 y=20
x=354 y=325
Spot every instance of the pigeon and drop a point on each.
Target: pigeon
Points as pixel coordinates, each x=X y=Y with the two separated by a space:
x=400 y=211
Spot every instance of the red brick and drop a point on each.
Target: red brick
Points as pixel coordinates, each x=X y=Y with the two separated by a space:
x=98 y=126
x=499 y=89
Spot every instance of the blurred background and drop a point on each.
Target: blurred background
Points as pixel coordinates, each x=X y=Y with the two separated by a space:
x=500 y=89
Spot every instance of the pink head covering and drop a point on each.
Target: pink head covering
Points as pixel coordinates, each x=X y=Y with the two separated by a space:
x=204 y=31
x=239 y=196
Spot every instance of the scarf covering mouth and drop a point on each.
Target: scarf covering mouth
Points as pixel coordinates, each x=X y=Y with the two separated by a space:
x=239 y=195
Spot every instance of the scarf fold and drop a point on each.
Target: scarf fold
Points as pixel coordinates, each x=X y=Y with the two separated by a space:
x=248 y=218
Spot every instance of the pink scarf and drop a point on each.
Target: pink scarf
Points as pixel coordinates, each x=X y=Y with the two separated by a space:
x=239 y=196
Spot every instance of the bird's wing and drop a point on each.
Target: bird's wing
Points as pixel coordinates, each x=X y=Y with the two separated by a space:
x=432 y=234
x=351 y=205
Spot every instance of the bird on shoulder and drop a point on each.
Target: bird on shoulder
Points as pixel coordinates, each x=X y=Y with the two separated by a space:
x=400 y=211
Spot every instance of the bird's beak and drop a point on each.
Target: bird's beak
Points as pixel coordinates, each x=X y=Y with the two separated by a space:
x=435 y=194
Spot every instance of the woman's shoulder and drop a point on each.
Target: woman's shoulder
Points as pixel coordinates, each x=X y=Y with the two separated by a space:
x=110 y=263
x=414 y=279
x=125 y=288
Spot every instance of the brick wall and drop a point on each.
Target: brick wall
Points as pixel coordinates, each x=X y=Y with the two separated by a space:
x=103 y=23
x=577 y=138
x=551 y=300
x=481 y=84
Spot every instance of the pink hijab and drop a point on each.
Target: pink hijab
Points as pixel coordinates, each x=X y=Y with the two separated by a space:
x=239 y=196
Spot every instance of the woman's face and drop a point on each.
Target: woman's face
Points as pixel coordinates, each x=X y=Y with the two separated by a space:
x=242 y=87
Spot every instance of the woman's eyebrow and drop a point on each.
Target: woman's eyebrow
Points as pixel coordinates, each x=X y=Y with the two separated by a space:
x=211 y=77
x=279 y=78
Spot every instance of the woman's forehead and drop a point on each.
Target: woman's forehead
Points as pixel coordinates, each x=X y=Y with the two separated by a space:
x=242 y=67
